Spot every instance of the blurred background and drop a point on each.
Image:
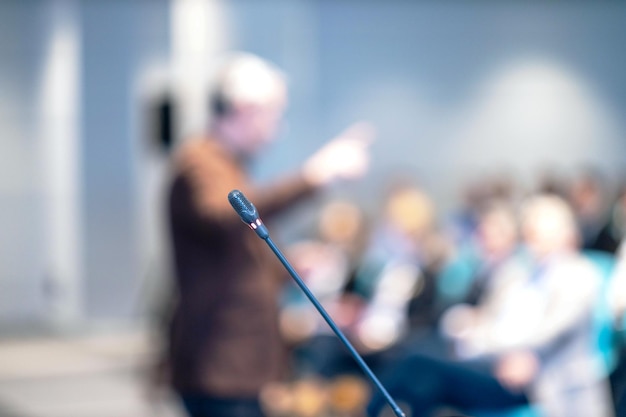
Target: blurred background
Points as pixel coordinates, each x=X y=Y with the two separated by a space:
x=94 y=94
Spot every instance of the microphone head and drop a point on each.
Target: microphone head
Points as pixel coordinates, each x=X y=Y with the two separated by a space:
x=243 y=206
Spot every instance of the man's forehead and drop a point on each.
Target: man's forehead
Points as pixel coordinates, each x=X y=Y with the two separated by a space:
x=252 y=81
x=276 y=101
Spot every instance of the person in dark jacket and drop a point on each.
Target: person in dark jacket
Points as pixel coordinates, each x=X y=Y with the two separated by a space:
x=224 y=341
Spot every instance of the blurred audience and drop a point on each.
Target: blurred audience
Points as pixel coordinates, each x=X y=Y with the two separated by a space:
x=529 y=339
x=224 y=340
x=524 y=306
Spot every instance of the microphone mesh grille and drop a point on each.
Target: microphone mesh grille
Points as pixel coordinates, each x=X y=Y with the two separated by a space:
x=240 y=203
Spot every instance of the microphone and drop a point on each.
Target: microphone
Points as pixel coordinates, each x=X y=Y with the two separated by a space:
x=250 y=216
x=248 y=213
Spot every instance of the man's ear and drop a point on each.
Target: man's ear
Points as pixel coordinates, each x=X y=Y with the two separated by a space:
x=218 y=104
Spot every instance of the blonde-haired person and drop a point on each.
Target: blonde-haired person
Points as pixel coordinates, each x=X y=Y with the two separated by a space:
x=224 y=341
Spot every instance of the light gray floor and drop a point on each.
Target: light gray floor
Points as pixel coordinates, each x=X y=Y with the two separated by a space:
x=88 y=376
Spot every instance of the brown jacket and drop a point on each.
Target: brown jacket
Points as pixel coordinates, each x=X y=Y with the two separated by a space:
x=224 y=337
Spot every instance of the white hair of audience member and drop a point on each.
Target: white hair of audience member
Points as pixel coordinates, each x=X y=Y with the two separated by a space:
x=548 y=225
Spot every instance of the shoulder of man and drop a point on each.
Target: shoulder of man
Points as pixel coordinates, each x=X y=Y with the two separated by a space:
x=201 y=156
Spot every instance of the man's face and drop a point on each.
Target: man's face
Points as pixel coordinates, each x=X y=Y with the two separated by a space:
x=254 y=125
x=260 y=123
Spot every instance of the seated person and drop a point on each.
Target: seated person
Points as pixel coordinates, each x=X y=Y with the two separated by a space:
x=467 y=274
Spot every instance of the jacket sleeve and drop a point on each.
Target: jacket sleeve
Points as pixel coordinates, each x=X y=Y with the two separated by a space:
x=199 y=195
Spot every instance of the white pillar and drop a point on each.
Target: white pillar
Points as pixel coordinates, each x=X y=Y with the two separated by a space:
x=60 y=147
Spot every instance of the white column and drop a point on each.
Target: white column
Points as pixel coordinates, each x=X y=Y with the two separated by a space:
x=60 y=146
